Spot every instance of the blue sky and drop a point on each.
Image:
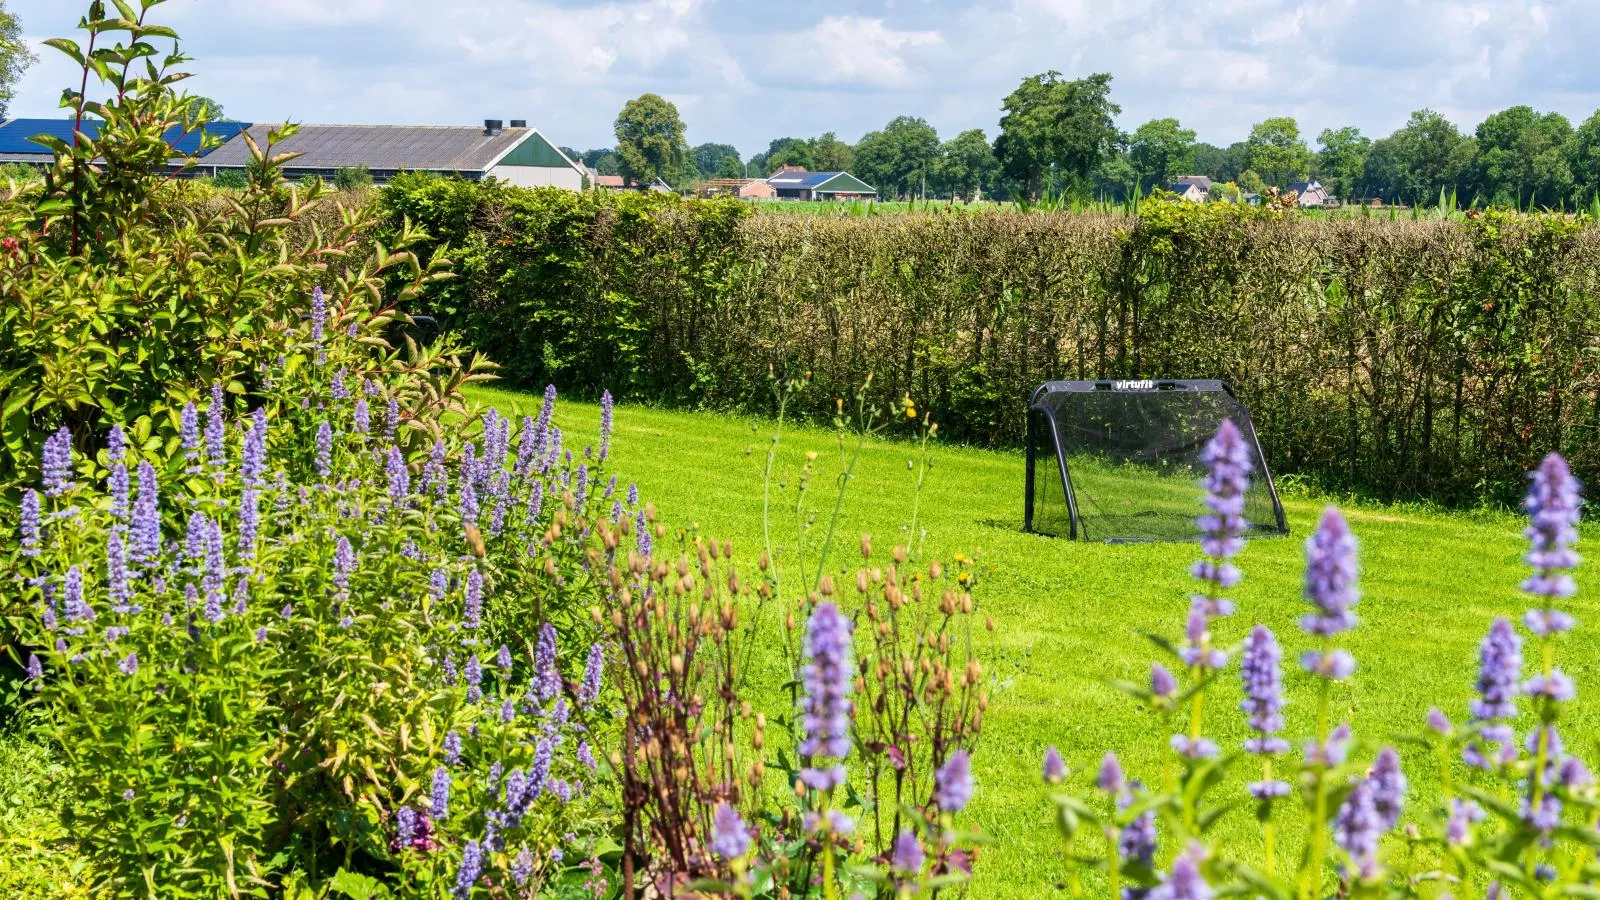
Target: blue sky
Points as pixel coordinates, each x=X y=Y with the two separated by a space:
x=746 y=71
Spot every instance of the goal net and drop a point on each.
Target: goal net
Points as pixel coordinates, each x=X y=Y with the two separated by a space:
x=1120 y=460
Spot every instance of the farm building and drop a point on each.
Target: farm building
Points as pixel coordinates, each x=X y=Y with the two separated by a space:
x=619 y=184
x=740 y=188
x=519 y=155
x=795 y=183
x=1312 y=193
x=17 y=144
x=1188 y=190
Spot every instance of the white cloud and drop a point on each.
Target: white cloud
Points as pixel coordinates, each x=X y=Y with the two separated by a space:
x=850 y=50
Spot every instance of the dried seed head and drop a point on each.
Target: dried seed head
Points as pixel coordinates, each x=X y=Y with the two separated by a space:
x=988 y=622
x=935 y=571
x=966 y=603
x=825 y=587
x=866 y=546
x=899 y=554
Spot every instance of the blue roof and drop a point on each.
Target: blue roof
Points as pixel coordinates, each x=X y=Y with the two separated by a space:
x=816 y=179
x=16 y=135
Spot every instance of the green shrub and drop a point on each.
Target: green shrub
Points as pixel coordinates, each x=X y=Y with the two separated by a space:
x=352 y=178
x=1399 y=357
x=232 y=179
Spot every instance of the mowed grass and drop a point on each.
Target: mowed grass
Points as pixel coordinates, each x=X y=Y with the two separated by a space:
x=1069 y=616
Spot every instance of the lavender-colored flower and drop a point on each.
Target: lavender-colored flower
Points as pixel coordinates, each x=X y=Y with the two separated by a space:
x=1055 y=768
x=249 y=523
x=189 y=436
x=324 y=442
x=362 y=417
x=1229 y=462
x=589 y=690
x=633 y=495
x=391 y=418
x=216 y=435
x=522 y=866
x=73 y=606
x=907 y=857
x=129 y=664
x=1358 y=827
x=825 y=706
x=1388 y=787
x=641 y=533
x=31 y=535
x=339 y=389
x=344 y=562
x=471 y=868
x=145 y=550
x=117 y=487
x=1110 y=779
x=1573 y=774
x=472 y=607
x=1269 y=790
x=606 y=413
x=1330 y=582
x=35 y=668
x=1556 y=686
x=508 y=710
x=546 y=676
x=287 y=612
x=730 y=837
x=1333 y=751
x=452 y=748
x=116 y=444
x=1546 y=816
x=319 y=314
x=253 y=461
x=1193 y=748
x=474 y=679
x=580 y=493
x=118 y=589
x=1500 y=667
x=467 y=499
x=405 y=826
x=1438 y=722
x=434 y=478
x=1553 y=506
x=56 y=463
x=1137 y=841
x=952 y=784
x=1184 y=881
x=586 y=755
x=440 y=799
x=1263 y=690
x=261 y=634
x=1335 y=665
x=399 y=477
x=1463 y=815
x=1197 y=650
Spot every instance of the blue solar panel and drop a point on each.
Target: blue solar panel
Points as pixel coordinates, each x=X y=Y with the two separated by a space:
x=16 y=135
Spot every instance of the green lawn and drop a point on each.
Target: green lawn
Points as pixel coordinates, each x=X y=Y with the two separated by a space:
x=1070 y=615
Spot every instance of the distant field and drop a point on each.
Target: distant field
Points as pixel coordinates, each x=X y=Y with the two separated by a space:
x=1070 y=615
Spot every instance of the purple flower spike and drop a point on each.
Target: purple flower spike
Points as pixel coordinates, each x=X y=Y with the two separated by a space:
x=452 y=748
x=1162 y=684
x=1184 y=881
x=362 y=417
x=1388 y=787
x=1438 y=722
x=1500 y=667
x=253 y=463
x=324 y=443
x=118 y=589
x=1055 y=768
x=440 y=799
x=1463 y=815
x=1553 y=506
x=590 y=689
x=1111 y=779
x=399 y=478
x=216 y=435
x=319 y=314
x=730 y=837
x=472 y=608
x=189 y=436
x=908 y=857
x=1331 y=576
x=606 y=413
x=825 y=706
x=1263 y=690
x=952 y=784
x=73 y=606
x=56 y=463
x=31 y=535
x=129 y=664
x=1358 y=827
x=145 y=533
x=35 y=668
x=546 y=675
x=1228 y=458
x=471 y=869
x=1556 y=686
x=1335 y=665
x=1193 y=748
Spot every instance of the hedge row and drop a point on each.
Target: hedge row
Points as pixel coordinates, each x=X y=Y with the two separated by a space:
x=1403 y=358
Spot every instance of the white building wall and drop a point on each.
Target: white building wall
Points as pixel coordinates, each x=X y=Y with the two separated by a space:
x=540 y=176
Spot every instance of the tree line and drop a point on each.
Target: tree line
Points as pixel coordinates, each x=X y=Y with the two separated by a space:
x=1058 y=137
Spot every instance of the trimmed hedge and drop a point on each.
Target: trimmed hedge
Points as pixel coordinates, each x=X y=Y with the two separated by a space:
x=1410 y=358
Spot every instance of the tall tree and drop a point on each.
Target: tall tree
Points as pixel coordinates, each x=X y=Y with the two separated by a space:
x=1429 y=155
x=207 y=109
x=1221 y=163
x=829 y=154
x=1340 y=160
x=1585 y=159
x=1056 y=132
x=1160 y=150
x=898 y=159
x=1276 y=151
x=15 y=57
x=708 y=157
x=730 y=167
x=650 y=141
x=1523 y=157
x=966 y=167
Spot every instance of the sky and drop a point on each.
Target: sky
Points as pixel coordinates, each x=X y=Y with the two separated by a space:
x=747 y=71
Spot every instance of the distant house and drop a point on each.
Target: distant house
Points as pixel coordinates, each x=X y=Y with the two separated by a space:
x=1203 y=182
x=619 y=184
x=1189 y=191
x=795 y=183
x=741 y=188
x=518 y=154
x=1312 y=194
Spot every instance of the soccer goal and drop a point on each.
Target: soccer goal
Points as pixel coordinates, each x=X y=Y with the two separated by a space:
x=1120 y=460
